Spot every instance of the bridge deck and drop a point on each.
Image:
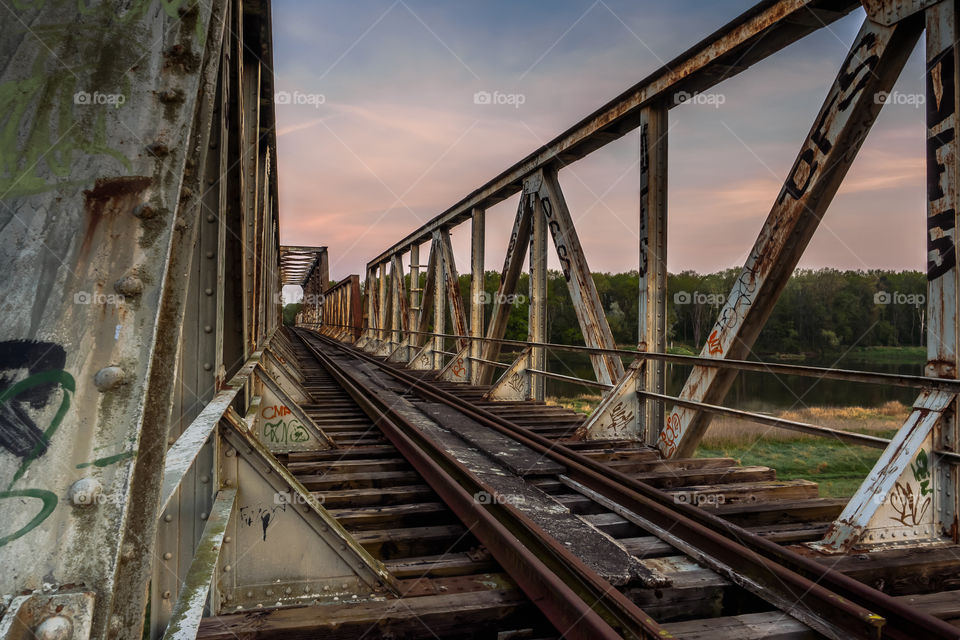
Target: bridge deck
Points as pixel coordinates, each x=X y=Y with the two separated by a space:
x=450 y=585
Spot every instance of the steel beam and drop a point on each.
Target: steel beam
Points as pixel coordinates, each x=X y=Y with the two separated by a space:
x=653 y=264
x=850 y=109
x=583 y=291
x=457 y=314
x=537 y=314
x=512 y=265
x=478 y=298
x=911 y=493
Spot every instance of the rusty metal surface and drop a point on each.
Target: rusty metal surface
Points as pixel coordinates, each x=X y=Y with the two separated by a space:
x=101 y=245
x=834 y=603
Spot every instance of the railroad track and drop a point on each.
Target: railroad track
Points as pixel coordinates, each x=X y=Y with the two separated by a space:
x=489 y=565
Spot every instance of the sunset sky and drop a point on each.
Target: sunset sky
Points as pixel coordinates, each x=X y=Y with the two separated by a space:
x=396 y=136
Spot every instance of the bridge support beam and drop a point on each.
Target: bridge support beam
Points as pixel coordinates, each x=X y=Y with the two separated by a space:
x=850 y=109
x=653 y=265
x=478 y=298
x=537 y=315
x=512 y=265
x=553 y=212
x=910 y=495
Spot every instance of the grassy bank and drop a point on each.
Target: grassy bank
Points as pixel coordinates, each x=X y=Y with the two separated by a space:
x=838 y=467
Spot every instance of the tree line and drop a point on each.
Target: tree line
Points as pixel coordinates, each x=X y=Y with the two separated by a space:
x=819 y=311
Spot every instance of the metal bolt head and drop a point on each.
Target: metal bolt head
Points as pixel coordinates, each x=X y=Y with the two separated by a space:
x=109 y=378
x=129 y=286
x=85 y=492
x=167 y=556
x=55 y=628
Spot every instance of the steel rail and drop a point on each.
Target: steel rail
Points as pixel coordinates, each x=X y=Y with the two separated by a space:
x=857 y=608
x=849 y=375
x=572 y=596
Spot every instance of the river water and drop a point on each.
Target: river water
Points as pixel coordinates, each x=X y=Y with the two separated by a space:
x=757 y=391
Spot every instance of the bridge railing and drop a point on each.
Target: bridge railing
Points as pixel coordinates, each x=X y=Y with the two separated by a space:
x=399 y=314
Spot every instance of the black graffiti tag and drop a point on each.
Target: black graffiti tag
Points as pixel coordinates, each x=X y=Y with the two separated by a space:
x=941 y=252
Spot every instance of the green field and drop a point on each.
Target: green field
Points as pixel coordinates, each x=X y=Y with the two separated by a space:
x=839 y=468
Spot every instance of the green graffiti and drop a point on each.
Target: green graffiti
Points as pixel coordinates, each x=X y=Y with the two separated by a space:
x=281 y=432
x=108 y=460
x=46 y=377
x=49 y=500
x=921 y=472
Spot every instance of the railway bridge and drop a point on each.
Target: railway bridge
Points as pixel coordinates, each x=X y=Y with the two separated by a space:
x=177 y=463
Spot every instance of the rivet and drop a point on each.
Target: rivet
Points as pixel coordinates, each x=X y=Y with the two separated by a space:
x=269 y=592
x=129 y=286
x=207 y=366
x=168 y=518
x=166 y=595
x=211 y=217
x=208 y=291
x=229 y=453
x=144 y=211
x=249 y=594
x=227 y=567
x=55 y=628
x=167 y=556
x=227 y=539
x=109 y=378
x=204 y=479
x=85 y=492
x=210 y=254
x=204 y=516
x=207 y=329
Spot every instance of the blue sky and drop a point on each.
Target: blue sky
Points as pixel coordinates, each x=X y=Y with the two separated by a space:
x=396 y=137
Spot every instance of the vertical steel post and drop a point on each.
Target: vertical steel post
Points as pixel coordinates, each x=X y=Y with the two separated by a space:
x=439 y=298
x=415 y=291
x=382 y=297
x=478 y=299
x=537 y=331
x=943 y=201
x=653 y=262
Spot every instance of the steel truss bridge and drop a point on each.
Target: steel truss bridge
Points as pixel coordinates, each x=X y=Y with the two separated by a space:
x=175 y=463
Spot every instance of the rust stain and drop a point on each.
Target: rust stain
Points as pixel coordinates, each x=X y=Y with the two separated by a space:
x=110 y=196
